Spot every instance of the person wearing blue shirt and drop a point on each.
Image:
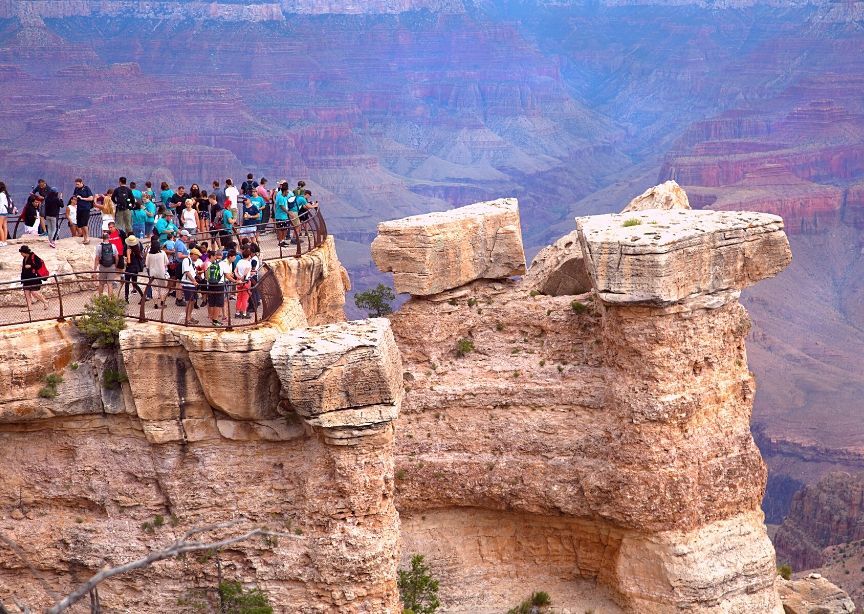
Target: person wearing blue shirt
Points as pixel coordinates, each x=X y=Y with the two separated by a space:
x=259 y=203
x=280 y=214
x=136 y=193
x=251 y=217
x=150 y=212
x=139 y=221
x=164 y=226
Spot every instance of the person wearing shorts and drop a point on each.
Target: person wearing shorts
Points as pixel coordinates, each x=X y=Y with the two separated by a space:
x=105 y=263
x=189 y=283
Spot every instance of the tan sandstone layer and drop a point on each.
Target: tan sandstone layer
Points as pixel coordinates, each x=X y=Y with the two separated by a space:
x=600 y=448
x=203 y=432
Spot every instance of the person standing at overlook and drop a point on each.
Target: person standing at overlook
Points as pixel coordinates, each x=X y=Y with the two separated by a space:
x=53 y=205
x=105 y=263
x=165 y=194
x=105 y=204
x=124 y=202
x=33 y=273
x=6 y=210
x=85 y=198
x=232 y=194
x=72 y=216
x=219 y=193
x=249 y=185
x=41 y=190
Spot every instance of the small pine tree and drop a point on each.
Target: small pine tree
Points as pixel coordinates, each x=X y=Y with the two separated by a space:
x=236 y=600
x=103 y=319
x=377 y=301
x=417 y=588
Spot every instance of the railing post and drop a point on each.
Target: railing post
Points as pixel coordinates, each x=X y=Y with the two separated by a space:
x=141 y=316
x=59 y=298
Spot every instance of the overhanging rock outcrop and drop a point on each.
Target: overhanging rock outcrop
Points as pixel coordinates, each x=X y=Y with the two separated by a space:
x=662 y=257
x=430 y=253
x=344 y=377
x=598 y=444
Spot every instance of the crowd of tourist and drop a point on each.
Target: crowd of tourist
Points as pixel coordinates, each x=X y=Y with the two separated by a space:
x=199 y=247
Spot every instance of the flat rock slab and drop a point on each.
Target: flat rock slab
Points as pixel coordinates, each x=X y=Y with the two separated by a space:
x=813 y=594
x=344 y=374
x=431 y=253
x=662 y=257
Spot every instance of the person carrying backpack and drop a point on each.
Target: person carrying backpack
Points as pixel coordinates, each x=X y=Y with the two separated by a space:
x=214 y=277
x=33 y=273
x=124 y=202
x=105 y=263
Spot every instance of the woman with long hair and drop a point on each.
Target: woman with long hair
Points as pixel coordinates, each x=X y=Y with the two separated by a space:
x=189 y=216
x=135 y=264
x=106 y=207
x=72 y=216
x=31 y=215
x=157 y=269
x=32 y=275
x=5 y=212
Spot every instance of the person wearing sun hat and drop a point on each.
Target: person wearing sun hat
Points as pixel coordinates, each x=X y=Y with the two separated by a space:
x=135 y=263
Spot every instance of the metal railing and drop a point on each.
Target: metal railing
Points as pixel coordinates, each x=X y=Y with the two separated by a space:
x=309 y=232
x=68 y=294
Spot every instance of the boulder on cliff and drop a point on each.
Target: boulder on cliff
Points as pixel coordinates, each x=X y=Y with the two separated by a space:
x=813 y=594
x=662 y=257
x=340 y=375
x=431 y=253
x=559 y=269
x=667 y=196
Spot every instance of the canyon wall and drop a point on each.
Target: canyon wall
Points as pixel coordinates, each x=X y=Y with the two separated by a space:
x=207 y=429
x=594 y=446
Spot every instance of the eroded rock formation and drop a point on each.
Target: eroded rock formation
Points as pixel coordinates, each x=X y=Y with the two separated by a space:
x=431 y=253
x=813 y=595
x=596 y=444
x=204 y=431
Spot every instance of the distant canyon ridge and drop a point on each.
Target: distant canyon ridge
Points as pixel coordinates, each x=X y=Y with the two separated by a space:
x=391 y=108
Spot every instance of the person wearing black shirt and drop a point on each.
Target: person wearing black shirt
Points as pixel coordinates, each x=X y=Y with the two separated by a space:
x=53 y=205
x=85 y=204
x=124 y=201
x=41 y=190
x=177 y=201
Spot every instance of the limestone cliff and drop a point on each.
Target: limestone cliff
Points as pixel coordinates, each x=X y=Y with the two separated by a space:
x=594 y=446
x=206 y=430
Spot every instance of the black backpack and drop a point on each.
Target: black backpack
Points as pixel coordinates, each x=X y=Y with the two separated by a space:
x=106 y=256
x=123 y=198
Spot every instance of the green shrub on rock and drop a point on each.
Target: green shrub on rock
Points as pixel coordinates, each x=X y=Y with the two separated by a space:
x=376 y=301
x=417 y=589
x=103 y=319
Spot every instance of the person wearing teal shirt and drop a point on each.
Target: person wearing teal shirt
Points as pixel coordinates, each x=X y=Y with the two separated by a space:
x=139 y=221
x=164 y=226
x=150 y=212
x=280 y=215
x=166 y=194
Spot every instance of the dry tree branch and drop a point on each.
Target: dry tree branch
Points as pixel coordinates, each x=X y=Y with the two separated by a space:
x=180 y=546
x=22 y=556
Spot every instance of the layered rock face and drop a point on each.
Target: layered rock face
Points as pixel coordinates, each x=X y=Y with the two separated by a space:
x=597 y=449
x=210 y=427
x=813 y=594
x=827 y=513
x=431 y=253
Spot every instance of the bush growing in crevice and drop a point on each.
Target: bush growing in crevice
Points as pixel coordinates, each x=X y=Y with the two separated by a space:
x=112 y=378
x=464 y=347
x=102 y=321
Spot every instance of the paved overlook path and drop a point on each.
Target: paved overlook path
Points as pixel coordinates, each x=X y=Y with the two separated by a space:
x=71 y=262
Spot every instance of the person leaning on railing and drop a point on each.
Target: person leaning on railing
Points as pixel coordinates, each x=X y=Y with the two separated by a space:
x=157 y=269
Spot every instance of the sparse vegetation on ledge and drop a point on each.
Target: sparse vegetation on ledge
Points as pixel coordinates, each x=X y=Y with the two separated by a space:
x=631 y=222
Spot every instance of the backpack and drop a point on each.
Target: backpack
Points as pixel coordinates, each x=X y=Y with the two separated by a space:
x=220 y=218
x=214 y=273
x=124 y=198
x=106 y=255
